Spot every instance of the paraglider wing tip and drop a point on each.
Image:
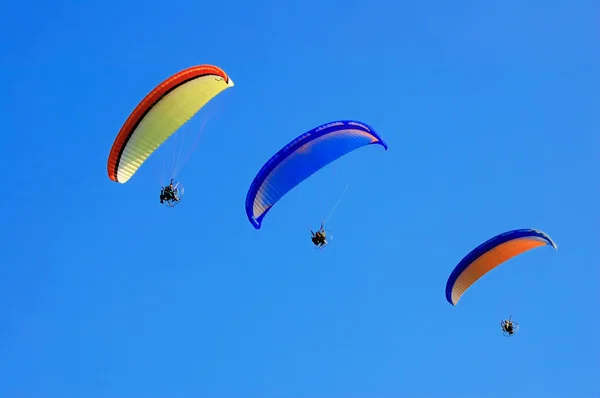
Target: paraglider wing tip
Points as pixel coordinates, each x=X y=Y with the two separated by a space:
x=448 y=290
x=547 y=238
x=116 y=179
x=256 y=223
x=377 y=138
x=552 y=243
x=449 y=299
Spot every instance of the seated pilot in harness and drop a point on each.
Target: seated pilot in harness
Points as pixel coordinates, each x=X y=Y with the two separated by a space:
x=508 y=326
x=169 y=193
x=319 y=238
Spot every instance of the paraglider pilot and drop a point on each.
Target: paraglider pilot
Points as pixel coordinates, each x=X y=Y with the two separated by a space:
x=319 y=238
x=508 y=326
x=168 y=193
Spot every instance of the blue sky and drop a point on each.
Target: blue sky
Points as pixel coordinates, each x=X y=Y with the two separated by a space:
x=490 y=113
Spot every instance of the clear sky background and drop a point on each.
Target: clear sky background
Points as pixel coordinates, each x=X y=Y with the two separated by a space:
x=490 y=110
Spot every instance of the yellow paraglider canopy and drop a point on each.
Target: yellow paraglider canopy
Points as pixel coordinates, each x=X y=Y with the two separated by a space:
x=162 y=112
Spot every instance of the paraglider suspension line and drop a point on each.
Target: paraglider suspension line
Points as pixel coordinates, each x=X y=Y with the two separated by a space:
x=176 y=159
x=193 y=146
x=336 y=205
